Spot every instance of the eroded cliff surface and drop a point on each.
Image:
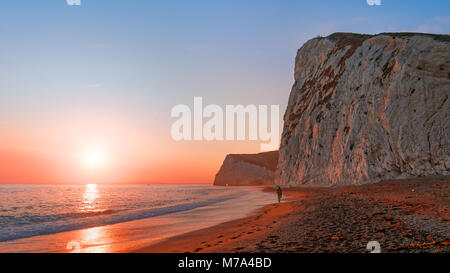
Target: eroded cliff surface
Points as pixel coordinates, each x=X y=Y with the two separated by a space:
x=247 y=169
x=366 y=108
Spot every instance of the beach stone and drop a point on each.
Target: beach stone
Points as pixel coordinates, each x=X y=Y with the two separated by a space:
x=247 y=169
x=365 y=108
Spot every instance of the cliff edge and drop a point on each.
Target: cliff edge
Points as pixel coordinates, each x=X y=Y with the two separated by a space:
x=365 y=108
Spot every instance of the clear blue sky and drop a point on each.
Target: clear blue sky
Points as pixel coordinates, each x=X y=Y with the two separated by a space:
x=136 y=59
x=168 y=51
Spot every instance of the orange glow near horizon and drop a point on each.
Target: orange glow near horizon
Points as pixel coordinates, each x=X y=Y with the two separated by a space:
x=109 y=148
x=64 y=157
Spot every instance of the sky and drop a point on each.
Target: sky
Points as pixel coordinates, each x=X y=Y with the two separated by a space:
x=103 y=77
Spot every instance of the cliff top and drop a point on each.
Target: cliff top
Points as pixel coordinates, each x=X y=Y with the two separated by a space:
x=352 y=38
x=267 y=160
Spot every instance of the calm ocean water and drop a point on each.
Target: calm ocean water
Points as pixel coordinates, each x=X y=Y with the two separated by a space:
x=32 y=210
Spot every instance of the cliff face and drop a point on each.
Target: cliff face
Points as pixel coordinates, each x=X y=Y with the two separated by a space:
x=366 y=108
x=247 y=169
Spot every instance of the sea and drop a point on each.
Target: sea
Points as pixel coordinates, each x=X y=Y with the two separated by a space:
x=43 y=217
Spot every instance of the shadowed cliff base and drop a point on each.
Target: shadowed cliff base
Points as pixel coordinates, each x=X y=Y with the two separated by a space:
x=404 y=216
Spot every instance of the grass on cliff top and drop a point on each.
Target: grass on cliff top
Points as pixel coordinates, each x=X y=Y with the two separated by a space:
x=339 y=36
x=437 y=37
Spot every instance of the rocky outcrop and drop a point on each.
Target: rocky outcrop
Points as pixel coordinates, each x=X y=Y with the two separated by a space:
x=247 y=169
x=365 y=108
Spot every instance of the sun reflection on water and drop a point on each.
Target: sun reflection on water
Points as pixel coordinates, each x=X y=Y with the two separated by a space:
x=91 y=234
x=95 y=240
x=91 y=199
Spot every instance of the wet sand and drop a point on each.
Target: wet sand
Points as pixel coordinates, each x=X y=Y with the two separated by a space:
x=403 y=216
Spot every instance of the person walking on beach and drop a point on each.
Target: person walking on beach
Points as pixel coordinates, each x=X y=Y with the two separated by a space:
x=280 y=194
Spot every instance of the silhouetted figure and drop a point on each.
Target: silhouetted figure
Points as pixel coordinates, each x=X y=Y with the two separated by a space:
x=280 y=194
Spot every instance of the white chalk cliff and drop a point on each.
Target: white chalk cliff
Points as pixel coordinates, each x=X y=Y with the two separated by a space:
x=366 y=108
x=247 y=169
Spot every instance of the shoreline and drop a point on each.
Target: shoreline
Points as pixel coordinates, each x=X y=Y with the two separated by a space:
x=409 y=215
x=129 y=235
x=187 y=242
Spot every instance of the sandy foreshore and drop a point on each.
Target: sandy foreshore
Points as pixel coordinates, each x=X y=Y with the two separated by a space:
x=403 y=216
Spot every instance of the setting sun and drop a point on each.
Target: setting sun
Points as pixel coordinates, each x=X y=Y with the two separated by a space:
x=94 y=158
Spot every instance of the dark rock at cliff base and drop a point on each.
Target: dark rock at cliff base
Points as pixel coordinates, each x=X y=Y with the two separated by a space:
x=247 y=169
x=365 y=108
